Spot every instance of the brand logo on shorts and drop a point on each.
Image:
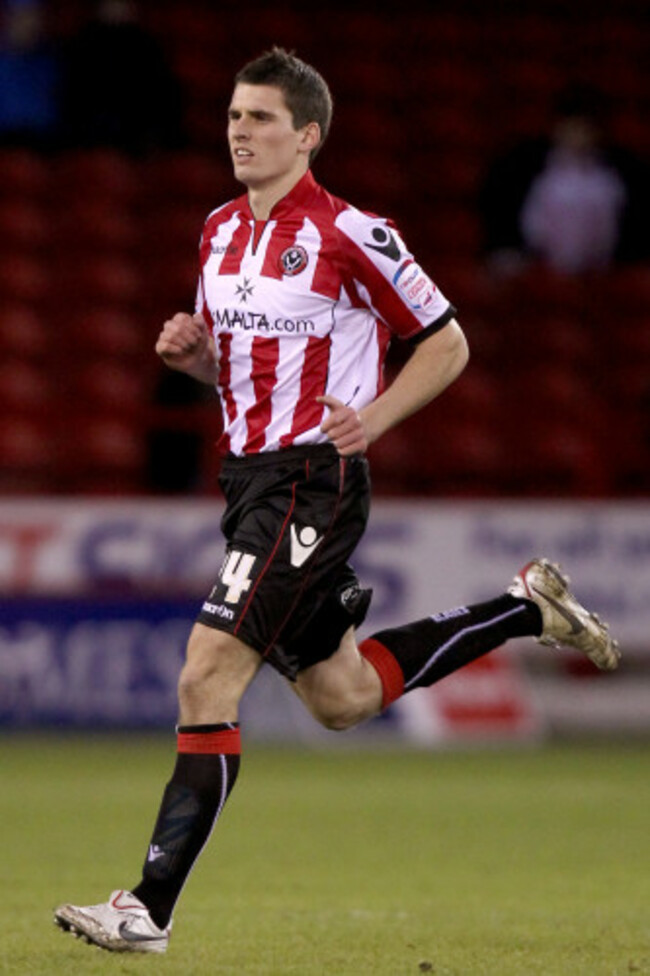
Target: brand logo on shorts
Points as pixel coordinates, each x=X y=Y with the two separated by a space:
x=303 y=543
x=218 y=610
x=293 y=260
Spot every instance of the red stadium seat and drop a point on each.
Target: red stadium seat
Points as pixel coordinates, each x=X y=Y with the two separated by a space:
x=475 y=396
x=627 y=290
x=176 y=228
x=199 y=177
x=181 y=26
x=24 y=224
x=629 y=342
x=565 y=340
x=23 y=332
x=109 y=387
x=86 y=173
x=444 y=80
x=553 y=460
x=203 y=75
x=394 y=464
x=446 y=31
x=359 y=29
x=456 y=173
x=96 y=278
x=463 y=457
x=630 y=128
x=630 y=474
x=27 y=456
x=174 y=277
x=24 y=278
x=99 y=225
x=24 y=388
x=108 y=332
x=24 y=173
x=457 y=233
x=557 y=393
x=629 y=385
x=103 y=455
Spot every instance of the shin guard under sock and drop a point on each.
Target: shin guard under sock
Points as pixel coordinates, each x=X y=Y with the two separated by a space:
x=423 y=652
x=206 y=769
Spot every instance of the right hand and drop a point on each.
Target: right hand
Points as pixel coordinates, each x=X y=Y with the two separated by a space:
x=183 y=341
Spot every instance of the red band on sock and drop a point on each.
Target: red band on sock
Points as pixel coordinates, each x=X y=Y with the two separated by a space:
x=224 y=743
x=387 y=667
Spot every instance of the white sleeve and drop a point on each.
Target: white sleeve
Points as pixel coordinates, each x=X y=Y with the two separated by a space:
x=397 y=289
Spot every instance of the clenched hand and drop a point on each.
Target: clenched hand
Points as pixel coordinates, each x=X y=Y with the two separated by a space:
x=344 y=427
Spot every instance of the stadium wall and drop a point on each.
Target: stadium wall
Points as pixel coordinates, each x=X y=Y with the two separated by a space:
x=98 y=598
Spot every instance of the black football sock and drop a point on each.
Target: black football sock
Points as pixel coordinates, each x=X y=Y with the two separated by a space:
x=423 y=652
x=206 y=769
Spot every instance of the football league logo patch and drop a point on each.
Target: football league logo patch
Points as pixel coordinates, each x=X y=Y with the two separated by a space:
x=416 y=286
x=293 y=260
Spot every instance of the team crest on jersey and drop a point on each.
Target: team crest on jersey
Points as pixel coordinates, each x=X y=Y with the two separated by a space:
x=293 y=260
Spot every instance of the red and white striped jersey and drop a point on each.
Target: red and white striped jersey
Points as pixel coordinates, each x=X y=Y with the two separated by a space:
x=305 y=304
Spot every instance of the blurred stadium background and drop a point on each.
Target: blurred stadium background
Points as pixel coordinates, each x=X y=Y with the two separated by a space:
x=109 y=508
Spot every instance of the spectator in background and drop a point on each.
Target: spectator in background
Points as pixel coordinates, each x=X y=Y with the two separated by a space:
x=571 y=199
x=29 y=78
x=119 y=90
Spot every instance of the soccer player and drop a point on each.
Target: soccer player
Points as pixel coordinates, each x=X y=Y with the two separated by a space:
x=299 y=296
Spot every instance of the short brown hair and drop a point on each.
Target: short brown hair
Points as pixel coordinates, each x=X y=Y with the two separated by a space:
x=305 y=91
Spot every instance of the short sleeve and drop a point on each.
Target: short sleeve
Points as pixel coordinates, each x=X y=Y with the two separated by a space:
x=387 y=278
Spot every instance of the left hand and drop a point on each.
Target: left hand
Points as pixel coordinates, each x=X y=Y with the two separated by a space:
x=344 y=427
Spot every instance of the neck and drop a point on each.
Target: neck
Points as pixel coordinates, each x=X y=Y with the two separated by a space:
x=262 y=199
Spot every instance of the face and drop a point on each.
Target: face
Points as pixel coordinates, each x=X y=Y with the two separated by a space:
x=264 y=146
x=578 y=134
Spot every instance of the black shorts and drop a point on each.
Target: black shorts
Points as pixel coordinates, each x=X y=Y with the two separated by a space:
x=292 y=520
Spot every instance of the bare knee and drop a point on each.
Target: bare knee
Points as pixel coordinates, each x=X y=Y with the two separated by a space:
x=217 y=671
x=340 y=715
x=196 y=682
x=342 y=691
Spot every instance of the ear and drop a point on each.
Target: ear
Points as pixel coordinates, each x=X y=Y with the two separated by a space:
x=310 y=137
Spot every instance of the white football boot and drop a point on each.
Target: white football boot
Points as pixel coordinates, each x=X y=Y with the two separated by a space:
x=122 y=924
x=566 y=623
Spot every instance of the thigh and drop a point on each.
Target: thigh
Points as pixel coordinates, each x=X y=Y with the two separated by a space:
x=344 y=607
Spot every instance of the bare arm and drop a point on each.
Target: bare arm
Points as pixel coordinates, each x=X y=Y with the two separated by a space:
x=185 y=344
x=435 y=363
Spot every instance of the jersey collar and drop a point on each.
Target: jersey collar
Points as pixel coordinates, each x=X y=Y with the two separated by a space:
x=298 y=198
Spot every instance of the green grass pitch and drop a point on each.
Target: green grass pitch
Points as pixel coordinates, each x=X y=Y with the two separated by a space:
x=341 y=863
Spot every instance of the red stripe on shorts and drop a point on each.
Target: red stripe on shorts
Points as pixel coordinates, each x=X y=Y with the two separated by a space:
x=268 y=561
